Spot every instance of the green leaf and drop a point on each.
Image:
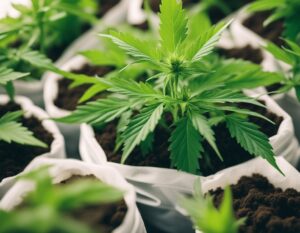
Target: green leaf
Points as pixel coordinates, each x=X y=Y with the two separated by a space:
x=208 y=41
x=91 y=92
x=140 y=127
x=202 y=125
x=208 y=219
x=140 y=50
x=133 y=89
x=12 y=131
x=173 y=25
x=280 y=53
x=7 y=75
x=98 y=112
x=251 y=138
x=185 y=146
x=105 y=58
x=262 y=5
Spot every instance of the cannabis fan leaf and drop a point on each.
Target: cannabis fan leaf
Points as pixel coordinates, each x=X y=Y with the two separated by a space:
x=13 y=131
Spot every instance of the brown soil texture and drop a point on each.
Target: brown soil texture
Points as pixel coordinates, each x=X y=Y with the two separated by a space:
x=231 y=151
x=272 y=32
x=102 y=218
x=267 y=209
x=247 y=53
x=105 y=6
x=68 y=98
x=15 y=157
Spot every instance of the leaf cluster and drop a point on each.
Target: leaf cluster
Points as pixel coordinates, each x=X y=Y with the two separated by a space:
x=282 y=9
x=196 y=92
x=47 y=208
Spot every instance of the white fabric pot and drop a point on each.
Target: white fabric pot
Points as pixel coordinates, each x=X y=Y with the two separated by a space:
x=57 y=148
x=64 y=169
x=51 y=88
x=232 y=175
x=158 y=188
x=31 y=89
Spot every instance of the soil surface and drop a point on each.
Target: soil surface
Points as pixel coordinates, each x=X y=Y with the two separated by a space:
x=68 y=98
x=231 y=151
x=102 y=218
x=247 y=53
x=272 y=32
x=267 y=209
x=15 y=157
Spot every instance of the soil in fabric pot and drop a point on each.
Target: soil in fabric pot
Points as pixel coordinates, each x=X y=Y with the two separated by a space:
x=68 y=98
x=102 y=218
x=272 y=32
x=267 y=209
x=247 y=53
x=15 y=157
x=231 y=151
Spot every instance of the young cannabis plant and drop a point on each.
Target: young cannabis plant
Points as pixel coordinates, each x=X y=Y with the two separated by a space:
x=196 y=96
x=46 y=209
x=46 y=25
x=291 y=56
x=12 y=131
x=207 y=218
x=282 y=9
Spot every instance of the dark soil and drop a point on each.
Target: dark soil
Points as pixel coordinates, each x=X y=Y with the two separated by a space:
x=272 y=32
x=247 y=53
x=68 y=98
x=267 y=209
x=105 y=6
x=231 y=151
x=102 y=218
x=15 y=157
x=274 y=87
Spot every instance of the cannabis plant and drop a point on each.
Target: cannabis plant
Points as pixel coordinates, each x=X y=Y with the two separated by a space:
x=207 y=218
x=47 y=208
x=290 y=55
x=188 y=87
x=287 y=10
x=47 y=25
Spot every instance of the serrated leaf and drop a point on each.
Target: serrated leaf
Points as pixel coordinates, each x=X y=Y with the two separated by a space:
x=7 y=75
x=105 y=58
x=280 y=53
x=139 y=128
x=202 y=125
x=173 y=25
x=251 y=138
x=13 y=131
x=208 y=41
x=91 y=92
x=98 y=112
x=134 y=89
x=134 y=47
x=185 y=146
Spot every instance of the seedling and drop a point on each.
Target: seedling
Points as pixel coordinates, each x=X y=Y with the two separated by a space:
x=197 y=94
x=287 y=10
x=46 y=208
x=207 y=218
